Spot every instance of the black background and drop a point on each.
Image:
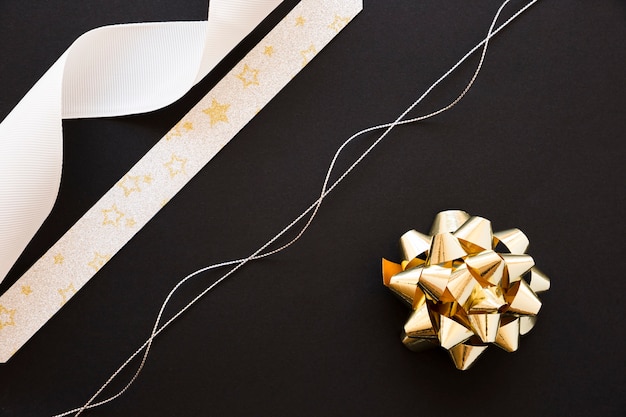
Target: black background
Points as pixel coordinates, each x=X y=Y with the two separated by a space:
x=538 y=144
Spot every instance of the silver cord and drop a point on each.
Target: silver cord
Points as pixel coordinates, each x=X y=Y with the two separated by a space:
x=312 y=209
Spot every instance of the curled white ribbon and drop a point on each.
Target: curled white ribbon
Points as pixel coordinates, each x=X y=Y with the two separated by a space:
x=109 y=71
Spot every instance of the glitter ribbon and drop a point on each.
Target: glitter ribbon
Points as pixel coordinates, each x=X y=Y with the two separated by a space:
x=167 y=167
x=109 y=71
x=467 y=287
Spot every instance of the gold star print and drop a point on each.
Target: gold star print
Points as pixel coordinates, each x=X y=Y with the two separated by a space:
x=339 y=23
x=217 y=112
x=249 y=76
x=179 y=129
x=130 y=222
x=67 y=293
x=7 y=317
x=58 y=259
x=26 y=290
x=308 y=54
x=98 y=261
x=176 y=166
x=130 y=184
x=300 y=21
x=164 y=202
x=112 y=216
x=269 y=50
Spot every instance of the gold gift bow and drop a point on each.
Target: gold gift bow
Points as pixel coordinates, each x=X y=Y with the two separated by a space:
x=109 y=71
x=167 y=167
x=467 y=287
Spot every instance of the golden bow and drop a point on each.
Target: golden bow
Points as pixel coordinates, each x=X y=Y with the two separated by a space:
x=467 y=286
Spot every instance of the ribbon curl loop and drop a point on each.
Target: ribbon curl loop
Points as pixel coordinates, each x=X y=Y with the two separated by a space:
x=109 y=71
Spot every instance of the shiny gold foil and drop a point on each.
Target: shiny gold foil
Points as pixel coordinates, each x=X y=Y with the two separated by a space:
x=467 y=287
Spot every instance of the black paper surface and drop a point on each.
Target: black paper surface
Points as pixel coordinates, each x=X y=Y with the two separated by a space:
x=538 y=143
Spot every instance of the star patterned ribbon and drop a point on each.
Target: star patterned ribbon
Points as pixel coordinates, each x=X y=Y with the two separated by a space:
x=109 y=71
x=165 y=169
x=466 y=286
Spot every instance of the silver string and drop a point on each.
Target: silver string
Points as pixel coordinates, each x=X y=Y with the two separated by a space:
x=312 y=209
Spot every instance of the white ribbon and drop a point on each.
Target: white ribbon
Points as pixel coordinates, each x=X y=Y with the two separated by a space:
x=109 y=71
